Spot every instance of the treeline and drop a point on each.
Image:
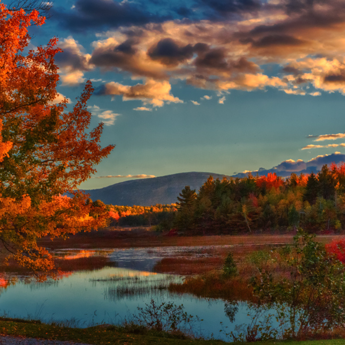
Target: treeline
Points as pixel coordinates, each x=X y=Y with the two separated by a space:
x=160 y=216
x=252 y=204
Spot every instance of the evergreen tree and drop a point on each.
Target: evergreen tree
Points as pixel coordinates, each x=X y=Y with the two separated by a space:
x=312 y=189
x=327 y=183
x=187 y=197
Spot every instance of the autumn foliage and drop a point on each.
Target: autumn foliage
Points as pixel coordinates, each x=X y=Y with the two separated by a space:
x=46 y=150
x=337 y=247
x=315 y=202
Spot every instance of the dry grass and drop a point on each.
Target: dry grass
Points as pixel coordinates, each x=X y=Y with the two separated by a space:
x=83 y=264
x=117 y=238
x=188 y=266
x=213 y=285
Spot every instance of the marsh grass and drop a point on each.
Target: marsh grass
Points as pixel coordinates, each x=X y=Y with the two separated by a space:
x=215 y=285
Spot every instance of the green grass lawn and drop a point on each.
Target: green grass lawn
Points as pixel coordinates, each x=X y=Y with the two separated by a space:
x=117 y=335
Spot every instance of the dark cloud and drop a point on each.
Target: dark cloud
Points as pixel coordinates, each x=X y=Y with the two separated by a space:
x=127 y=47
x=284 y=169
x=214 y=58
x=296 y=6
x=168 y=52
x=103 y=14
x=335 y=78
x=290 y=70
x=217 y=59
x=69 y=59
x=277 y=40
x=224 y=7
x=184 y=11
x=123 y=57
x=319 y=161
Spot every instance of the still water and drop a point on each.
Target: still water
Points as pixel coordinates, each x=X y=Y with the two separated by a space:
x=112 y=294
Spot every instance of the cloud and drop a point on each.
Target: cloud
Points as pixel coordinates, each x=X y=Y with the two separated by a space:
x=72 y=62
x=126 y=176
x=321 y=160
x=206 y=97
x=72 y=78
x=322 y=146
x=289 y=166
x=222 y=45
x=308 y=147
x=60 y=98
x=103 y=14
x=142 y=109
x=108 y=117
x=324 y=137
x=195 y=102
x=169 y=53
x=221 y=100
x=152 y=92
x=292 y=166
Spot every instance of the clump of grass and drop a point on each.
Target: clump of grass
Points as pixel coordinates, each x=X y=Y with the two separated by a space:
x=215 y=285
x=230 y=268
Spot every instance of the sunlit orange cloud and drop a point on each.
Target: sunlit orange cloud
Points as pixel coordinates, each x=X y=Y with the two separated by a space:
x=305 y=39
x=322 y=146
x=151 y=92
x=324 y=137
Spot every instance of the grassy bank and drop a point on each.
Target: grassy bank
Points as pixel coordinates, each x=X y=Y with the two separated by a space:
x=102 y=335
x=127 y=239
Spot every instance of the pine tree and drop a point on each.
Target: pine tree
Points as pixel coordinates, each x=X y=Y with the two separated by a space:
x=187 y=197
x=311 y=190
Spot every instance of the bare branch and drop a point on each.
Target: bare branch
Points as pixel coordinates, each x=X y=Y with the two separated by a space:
x=43 y=7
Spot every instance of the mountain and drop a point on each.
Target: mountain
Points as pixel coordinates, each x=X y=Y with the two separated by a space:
x=147 y=192
x=165 y=189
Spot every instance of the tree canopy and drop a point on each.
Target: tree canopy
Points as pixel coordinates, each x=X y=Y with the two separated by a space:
x=47 y=150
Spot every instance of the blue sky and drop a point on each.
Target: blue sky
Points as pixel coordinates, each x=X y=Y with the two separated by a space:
x=217 y=86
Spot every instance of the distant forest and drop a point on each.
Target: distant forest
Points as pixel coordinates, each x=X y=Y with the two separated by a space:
x=315 y=202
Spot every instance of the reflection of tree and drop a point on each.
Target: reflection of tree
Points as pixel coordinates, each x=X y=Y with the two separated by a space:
x=230 y=309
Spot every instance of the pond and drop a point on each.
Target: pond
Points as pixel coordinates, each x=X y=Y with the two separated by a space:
x=112 y=294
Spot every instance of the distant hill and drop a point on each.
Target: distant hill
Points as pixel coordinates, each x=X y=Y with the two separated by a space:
x=165 y=189
x=146 y=192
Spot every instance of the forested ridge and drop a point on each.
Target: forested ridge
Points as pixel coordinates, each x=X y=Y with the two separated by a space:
x=315 y=202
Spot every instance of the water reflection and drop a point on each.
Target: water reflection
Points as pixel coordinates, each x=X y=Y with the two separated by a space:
x=110 y=295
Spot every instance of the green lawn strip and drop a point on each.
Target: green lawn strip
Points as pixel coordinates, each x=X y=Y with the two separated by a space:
x=92 y=335
x=116 y=335
x=305 y=342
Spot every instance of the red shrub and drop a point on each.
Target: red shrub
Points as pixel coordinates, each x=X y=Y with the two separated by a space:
x=337 y=248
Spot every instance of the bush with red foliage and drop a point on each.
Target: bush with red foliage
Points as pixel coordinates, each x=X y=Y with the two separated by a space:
x=337 y=248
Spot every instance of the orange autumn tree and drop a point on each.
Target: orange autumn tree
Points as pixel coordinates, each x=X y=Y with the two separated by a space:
x=50 y=152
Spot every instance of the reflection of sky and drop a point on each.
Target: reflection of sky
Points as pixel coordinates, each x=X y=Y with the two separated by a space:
x=142 y=259
x=261 y=122
x=87 y=296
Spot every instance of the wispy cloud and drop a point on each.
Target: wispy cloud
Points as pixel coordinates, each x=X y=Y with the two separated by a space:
x=156 y=93
x=324 y=137
x=142 y=109
x=60 y=98
x=126 y=176
x=221 y=100
x=195 y=102
x=308 y=147
x=108 y=117
x=207 y=97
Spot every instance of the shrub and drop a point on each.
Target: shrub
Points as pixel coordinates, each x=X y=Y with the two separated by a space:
x=337 y=248
x=313 y=298
x=164 y=317
x=230 y=268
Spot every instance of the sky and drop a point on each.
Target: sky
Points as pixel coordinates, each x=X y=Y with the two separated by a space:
x=221 y=86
